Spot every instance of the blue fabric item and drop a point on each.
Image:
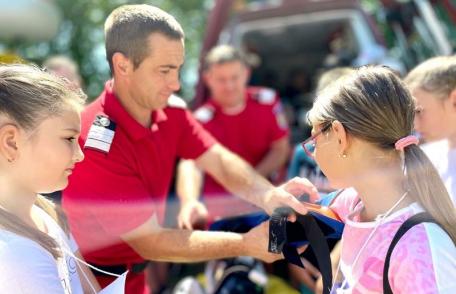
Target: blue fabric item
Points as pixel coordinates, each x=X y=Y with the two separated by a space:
x=298 y=160
x=327 y=199
x=301 y=165
x=313 y=228
x=243 y=223
x=331 y=228
x=239 y=224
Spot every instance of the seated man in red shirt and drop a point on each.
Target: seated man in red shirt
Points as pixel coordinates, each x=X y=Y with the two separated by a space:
x=131 y=138
x=248 y=121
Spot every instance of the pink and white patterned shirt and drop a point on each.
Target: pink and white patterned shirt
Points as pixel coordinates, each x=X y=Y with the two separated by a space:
x=424 y=260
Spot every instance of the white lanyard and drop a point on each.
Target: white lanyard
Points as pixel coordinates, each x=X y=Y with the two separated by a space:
x=78 y=260
x=381 y=218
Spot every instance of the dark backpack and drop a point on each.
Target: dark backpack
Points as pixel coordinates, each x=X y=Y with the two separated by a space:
x=417 y=219
x=241 y=275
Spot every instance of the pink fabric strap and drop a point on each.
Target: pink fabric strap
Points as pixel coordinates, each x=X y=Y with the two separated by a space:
x=406 y=141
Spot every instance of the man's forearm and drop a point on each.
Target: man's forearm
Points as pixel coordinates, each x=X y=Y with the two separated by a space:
x=153 y=242
x=235 y=174
x=241 y=179
x=189 y=181
x=275 y=158
x=192 y=246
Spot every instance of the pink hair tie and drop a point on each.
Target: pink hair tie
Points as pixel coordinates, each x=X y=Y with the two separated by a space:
x=406 y=141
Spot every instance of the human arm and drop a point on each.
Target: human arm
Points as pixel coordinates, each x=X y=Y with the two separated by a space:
x=275 y=158
x=304 y=276
x=236 y=175
x=241 y=179
x=153 y=242
x=188 y=186
x=278 y=131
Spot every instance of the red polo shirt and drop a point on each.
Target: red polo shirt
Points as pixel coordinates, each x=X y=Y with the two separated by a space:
x=249 y=134
x=111 y=193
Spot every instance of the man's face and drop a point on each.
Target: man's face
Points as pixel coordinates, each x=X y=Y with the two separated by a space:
x=157 y=76
x=432 y=116
x=227 y=82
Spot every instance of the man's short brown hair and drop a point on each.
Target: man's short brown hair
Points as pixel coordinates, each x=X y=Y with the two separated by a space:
x=128 y=28
x=223 y=54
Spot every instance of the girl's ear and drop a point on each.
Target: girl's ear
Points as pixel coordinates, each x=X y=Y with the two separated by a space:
x=341 y=136
x=9 y=136
x=452 y=98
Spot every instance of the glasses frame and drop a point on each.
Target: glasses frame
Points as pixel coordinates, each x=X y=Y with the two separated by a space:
x=312 y=138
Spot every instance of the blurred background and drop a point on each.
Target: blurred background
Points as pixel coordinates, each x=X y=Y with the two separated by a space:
x=288 y=42
x=36 y=29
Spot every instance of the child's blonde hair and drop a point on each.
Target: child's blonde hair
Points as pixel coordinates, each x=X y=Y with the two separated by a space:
x=435 y=75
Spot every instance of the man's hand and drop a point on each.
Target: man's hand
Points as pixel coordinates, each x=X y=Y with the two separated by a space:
x=285 y=195
x=239 y=178
x=256 y=243
x=191 y=213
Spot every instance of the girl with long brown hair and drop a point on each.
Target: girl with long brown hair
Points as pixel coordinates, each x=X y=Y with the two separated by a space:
x=362 y=133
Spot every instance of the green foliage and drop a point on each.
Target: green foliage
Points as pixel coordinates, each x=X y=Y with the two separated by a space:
x=81 y=37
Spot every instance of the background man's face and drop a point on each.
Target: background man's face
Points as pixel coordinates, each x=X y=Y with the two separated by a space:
x=227 y=82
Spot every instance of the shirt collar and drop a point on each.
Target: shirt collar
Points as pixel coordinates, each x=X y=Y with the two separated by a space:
x=211 y=102
x=117 y=112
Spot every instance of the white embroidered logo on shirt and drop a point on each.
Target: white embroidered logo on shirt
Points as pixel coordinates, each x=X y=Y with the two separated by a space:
x=101 y=134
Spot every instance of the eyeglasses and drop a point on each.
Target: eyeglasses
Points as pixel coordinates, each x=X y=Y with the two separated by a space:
x=309 y=144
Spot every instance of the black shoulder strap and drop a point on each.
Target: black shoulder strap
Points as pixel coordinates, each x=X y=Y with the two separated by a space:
x=306 y=227
x=318 y=243
x=417 y=219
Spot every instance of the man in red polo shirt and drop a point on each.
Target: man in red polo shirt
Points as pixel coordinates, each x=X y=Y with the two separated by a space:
x=131 y=138
x=248 y=121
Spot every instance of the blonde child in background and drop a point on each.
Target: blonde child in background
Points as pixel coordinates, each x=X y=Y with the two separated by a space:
x=433 y=85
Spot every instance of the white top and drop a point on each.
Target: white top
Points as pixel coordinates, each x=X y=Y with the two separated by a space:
x=26 y=267
x=444 y=160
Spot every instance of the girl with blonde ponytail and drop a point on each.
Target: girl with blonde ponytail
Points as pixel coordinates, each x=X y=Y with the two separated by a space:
x=39 y=127
x=362 y=134
x=433 y=86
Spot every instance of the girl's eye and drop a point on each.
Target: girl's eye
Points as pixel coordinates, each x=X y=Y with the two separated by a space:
x=71 y=139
